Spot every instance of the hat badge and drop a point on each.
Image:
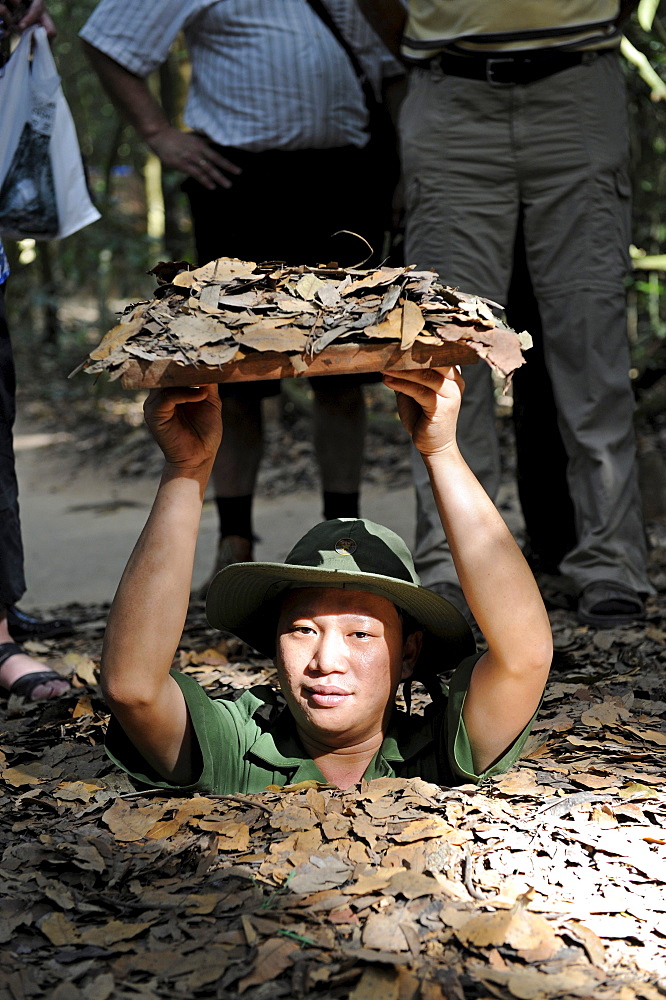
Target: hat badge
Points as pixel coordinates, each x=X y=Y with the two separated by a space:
x=345 y=546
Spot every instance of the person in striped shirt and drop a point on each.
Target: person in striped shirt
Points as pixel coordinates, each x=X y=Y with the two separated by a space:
x=276 y=158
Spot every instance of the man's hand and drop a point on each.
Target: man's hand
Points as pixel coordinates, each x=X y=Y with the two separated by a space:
x=428 y=405
x=184 y=151
x=191 y=154
x=187 y=425
x=16 y=15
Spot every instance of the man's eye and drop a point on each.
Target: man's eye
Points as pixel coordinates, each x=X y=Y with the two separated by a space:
x=361 y=635
x=303 y=629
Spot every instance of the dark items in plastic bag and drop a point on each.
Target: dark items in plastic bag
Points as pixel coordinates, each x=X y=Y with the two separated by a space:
x=27 y=197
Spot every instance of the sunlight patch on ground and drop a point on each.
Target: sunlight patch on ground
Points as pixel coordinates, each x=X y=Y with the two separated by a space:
x=27 y=442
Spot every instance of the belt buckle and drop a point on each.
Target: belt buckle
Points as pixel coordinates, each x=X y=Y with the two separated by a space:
x=490 y=70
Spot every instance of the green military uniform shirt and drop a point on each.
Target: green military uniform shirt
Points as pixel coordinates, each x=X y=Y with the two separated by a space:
x=242 y=750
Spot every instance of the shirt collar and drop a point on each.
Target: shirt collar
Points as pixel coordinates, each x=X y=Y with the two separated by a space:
x=280 y=748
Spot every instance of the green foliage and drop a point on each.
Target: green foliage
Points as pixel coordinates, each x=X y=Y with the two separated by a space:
x=108 y=260
x=647 y=296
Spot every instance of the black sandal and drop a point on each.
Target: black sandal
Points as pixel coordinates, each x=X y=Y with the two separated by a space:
x=24 y=686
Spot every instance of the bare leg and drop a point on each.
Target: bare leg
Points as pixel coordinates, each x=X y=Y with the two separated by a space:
x=339 y=435
x=237 y=462
x=235 y=472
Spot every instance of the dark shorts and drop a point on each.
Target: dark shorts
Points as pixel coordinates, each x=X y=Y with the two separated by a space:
x=288 y=205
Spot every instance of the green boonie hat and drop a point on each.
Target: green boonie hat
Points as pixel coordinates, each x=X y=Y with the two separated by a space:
x=350 y=553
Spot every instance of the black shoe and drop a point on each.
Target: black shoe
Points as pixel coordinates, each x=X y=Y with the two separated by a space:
x=607 y=603
x=22 y=626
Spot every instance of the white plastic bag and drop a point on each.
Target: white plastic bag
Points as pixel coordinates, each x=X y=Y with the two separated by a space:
x=43 y=191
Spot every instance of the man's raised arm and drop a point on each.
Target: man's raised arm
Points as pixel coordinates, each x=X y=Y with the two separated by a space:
x=148 y=612
x=507 y=681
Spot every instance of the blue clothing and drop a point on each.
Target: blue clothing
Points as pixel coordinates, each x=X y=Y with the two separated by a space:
x=4 y=265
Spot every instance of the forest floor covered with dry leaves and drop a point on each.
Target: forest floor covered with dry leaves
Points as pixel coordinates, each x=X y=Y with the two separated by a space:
x=548 y=882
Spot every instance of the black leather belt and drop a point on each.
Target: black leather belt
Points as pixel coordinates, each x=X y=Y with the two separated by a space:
x=504 y=71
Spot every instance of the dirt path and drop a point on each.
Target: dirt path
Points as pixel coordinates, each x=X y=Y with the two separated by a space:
x=79 y=526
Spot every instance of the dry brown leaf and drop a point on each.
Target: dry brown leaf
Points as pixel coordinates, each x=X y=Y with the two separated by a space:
x=59 y=930
x=198 y=805
x=185 y=279
x=251 y=935
x=289 y=816
x=83 y=707
x=163 y=828
x=367 y=829
x=373 y=881
x=273 y=335
x=233 y=837
x=422 y=829
x=220 y=271
x=604 y=714
x=28 y=774
x=649 y=735
x=273 y=957
x=119 y=335
x=197 y=331
x=455 y=917
x=377 y=788
x=377 y=982
x=411 y=885
x=101 y=987
x=520 y=781
x=590 y=780
x=530 y=984
x=382 y=276
x=528 y=933
x=412 y=324
x=390 y=328
x=114 y=931
x=294 y=312
x=432 y=991
x=320 y=873
x=128 y=822
x=308 y=286
x=76 y=791
x=83 y=666
x=590 y=941
x=336 y=826
x=209 y=294
x=383 y=932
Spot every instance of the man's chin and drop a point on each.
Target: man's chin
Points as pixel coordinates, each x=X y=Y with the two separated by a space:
x=333 y=724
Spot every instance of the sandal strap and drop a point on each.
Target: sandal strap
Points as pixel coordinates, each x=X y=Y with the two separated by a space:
x=8 y=649
x=24 y=686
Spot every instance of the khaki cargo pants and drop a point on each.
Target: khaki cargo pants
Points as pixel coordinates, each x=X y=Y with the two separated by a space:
x=473 y=154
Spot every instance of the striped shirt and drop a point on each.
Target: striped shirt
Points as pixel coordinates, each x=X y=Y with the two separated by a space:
x=266 y=74
x=489 y=27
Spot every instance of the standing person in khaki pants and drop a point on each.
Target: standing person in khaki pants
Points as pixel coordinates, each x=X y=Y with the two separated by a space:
x=521 y=107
